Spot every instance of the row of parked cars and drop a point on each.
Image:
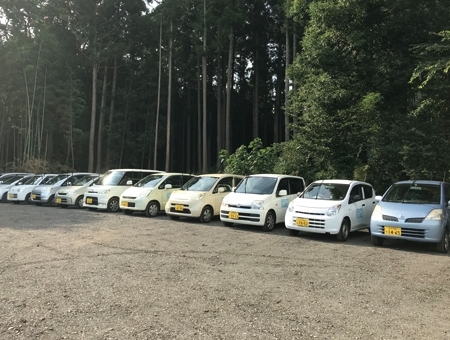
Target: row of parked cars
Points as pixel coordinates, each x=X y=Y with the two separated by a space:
x=410 y=210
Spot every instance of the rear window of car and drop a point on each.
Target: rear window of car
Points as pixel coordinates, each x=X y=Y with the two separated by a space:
x=414 y=193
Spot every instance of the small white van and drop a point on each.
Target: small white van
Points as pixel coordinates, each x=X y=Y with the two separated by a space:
x=105 y=194
x=260 y=200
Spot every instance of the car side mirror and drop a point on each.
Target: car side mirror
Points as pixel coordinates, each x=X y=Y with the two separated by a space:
x=282 y=192
x=69 y=184
x=221 y=189
x=168 y=186
x=129 y=182
x=378 y=198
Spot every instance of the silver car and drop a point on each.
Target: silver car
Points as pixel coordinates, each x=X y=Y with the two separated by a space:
x=22 y=191
x=413 y=211
x=9 y=183
x=73 y=195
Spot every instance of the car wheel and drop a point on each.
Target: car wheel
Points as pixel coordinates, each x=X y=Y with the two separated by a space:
x=127 y=211
x=174 y=218
x=5 y=197
x=342 y=235
x=207 y=214
x=442 y=246
x=269 y=223
x=79 y=202
x=28 y=199
x=377 y=241
x=113 y=204
x=228 y=224
x=52 y=201
x=293 y=232
x=152 y=209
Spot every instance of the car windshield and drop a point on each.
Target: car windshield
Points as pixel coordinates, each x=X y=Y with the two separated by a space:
x=199 y=184
x=257 y=185
x=46 y=179
x=326 y=191
x=10 y=180
x=55 y=179
x=30 y=180
x=414 y=193
x=150 y=181
x=111 y=177
x=83 y=181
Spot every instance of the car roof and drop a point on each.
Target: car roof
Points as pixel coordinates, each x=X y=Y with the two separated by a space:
x=143 y=170
x=219 y=175
x=274 y=175
x=341 y=181
x=420 y=181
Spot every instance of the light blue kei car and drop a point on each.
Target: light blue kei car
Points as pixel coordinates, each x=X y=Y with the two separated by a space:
x=415 y=211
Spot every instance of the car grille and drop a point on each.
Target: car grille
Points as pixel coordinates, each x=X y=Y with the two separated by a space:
x=415 y=233
x=186 y=209
x=309 y=213
x=63 y=200
x=243 y=216
x=12 y=195
x=94 y=200
x=129 y=197
x=408 y=220
x=414 y=220
x=62 y=194
x=240 y=206
x=390 y=218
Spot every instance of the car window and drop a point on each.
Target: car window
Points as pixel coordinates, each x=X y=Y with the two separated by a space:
x=257 y=185
x=198 y=183
x=295 y=186
x=356 y=194
x=368 y=191
x=326 y=191
x=226 y=183
x=423 y=193
x=176 y=181
x=446 y=192
x=283 y=185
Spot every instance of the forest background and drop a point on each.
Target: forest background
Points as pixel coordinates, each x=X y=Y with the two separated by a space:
x=322 y=89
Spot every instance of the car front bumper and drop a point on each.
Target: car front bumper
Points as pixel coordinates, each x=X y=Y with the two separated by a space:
x=426 y=231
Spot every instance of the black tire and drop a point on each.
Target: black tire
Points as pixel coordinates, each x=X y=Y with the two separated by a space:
x=113 y=204
x=52 y=201
x=344 y=231
x=228 y=224
x=443 y=245
x=207 y=214
x=293 y=232
x=174 y=218
x=5 y=197
x=152 y=209
x=377 y=241
x=28 y=199
x=269 y=222
x=79 y=202
x=128 y=211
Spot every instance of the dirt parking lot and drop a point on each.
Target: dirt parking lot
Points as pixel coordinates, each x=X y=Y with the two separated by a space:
x=76 y=274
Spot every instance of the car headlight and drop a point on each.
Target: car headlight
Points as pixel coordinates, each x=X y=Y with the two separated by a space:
x=291 y=207
x=70 y=192
x=102 y=192
x=45 y=189
x=258 y=205
x=198 y=197
x=334 y=210
x=145 y=193
x=377 y=214
x=434 y=215
x=20 y=189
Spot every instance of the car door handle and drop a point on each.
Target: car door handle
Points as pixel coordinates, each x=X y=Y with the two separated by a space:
x=363 y=205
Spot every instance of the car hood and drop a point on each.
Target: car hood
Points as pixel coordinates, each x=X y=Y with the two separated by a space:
x=135 y=191
x=185 y=195
x=73 y=188
x=243 y=199
x=407 y=210
x=16 y=188
x=315 y=203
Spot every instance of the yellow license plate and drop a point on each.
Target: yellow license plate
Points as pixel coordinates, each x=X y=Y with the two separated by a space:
x=393 y=231
x=33 y=197
x=233 y=215
x=11 y=196
x=58 y=200
x=179 y=207
x=124 y=204
x=302 y=222
x=88 y=200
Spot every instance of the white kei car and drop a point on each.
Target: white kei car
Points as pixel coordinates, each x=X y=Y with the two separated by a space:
x=335 y=207
x=151 y=193
x=22 y=192
x=73 y=195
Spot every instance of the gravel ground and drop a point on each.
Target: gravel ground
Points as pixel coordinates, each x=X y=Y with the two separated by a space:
x=76 y=274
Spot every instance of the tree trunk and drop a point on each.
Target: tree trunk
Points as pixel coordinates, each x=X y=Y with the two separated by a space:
x=229 y=90
x=155 y=154
x=199 y=119
x=286 y=89
x=93 y=110
x=169 y=102
x=219 y=103
x=101 y=122
x=111 y=116
x=205 y=84
x=255 y=120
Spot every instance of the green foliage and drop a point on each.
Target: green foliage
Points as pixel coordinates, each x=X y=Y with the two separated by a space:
x=253 y=159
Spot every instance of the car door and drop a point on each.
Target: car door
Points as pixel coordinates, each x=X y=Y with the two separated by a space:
x=227 y=184
x=176 y=181
x=369 y=203
x=356 y=206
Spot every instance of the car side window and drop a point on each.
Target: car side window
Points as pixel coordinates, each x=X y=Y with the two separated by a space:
x=175 y=181
x=356 y=194
x=368 y=191
x=446 y=193
x=295 y=186
x=283 y=185
x=226 y=183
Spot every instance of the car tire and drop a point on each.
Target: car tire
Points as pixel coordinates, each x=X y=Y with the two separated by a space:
x=113 y=204
x=5 y=197
x=52 y=201
x=79 y=202
x=344 y=231
x=377 y=241
x=28 y=199
x=443 y=245
x=228 y=224
x=206 y=214
x=293 y=232
x=152 y=209
x=174 y=218
x=128 y=211
x=269 y=222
